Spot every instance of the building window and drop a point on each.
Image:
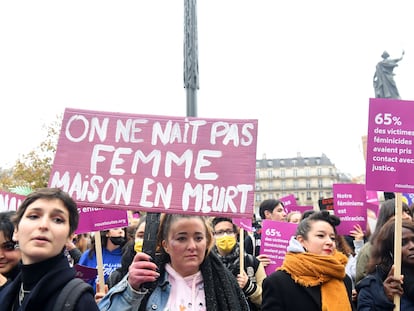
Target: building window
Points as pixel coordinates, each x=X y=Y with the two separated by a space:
x=320 y=183
x=318 y=161
x=257 y=186
x=295 y=172
x=307 y=171
x=270 y=195
x=257 y=174
x=270 y=185
x=319 y=171
x=294 y=162
x=269 y=163
x=269 y=173
x=282 y=162
x=320 y=194
x=282 y=173
x=308 y=184
x=308 y=195
x=258 y=197
x=283 y=185
x=295 y=184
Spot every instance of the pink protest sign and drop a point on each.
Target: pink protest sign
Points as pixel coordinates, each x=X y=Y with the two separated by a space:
x=390 y=156
x=349 y=206
x=10 y=201
x=85 y=273
x=157 y=163
x=98 y=219
x=372 y=197
x=288 y=200
x=274 y=241
x=244 y=223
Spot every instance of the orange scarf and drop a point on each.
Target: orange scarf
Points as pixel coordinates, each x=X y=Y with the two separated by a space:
x=328 y=271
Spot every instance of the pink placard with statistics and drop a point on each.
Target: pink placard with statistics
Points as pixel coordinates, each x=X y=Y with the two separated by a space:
x=390 y=148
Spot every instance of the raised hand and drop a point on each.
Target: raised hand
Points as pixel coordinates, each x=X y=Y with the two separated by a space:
x=142 y=270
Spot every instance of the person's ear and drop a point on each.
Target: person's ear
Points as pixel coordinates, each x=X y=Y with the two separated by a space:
x=301 y=240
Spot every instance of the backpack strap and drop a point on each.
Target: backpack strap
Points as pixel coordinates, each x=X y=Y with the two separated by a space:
x=70 y=294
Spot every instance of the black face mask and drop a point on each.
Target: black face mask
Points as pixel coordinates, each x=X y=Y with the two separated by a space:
x=118 y=240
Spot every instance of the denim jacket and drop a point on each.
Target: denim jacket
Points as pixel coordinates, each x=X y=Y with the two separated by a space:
x=122 y=297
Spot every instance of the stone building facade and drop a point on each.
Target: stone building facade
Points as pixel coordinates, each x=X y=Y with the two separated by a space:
x=307 y=178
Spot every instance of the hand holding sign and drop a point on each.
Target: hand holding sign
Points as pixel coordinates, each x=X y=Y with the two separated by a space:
x=142 y=270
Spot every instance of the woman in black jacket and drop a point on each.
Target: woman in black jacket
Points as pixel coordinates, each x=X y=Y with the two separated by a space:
x=44 y=222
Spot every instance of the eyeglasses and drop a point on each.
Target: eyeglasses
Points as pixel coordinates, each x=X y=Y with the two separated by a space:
x=8 y=246
x=224 y=232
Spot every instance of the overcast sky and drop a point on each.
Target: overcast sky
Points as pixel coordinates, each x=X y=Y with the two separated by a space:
x=303 y=68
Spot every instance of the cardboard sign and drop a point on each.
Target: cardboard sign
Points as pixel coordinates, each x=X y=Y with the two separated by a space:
x=85 y=273
x=157 y=164
x=244 y=223
x=390 y=148
x=274 y=242
x=350 y=206
x=288 y=200
x=99 y=219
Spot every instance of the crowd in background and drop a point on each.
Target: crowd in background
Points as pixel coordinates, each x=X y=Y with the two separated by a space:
x=197 y=261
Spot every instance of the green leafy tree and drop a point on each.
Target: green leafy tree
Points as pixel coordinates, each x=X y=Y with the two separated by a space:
x=32 y=170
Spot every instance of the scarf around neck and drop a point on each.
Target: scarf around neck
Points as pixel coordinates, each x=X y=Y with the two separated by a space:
x=308 y=270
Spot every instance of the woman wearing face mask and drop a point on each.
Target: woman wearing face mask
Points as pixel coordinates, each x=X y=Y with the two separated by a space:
x=112 y=242
x=228 y=251
x=130 y=249
x=312 y=276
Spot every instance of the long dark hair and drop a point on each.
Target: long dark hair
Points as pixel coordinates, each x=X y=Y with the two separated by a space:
x=387 y=210
x=382 y=250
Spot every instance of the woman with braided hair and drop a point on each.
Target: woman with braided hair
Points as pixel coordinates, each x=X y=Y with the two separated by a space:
x=184 y=273
x=312 y=276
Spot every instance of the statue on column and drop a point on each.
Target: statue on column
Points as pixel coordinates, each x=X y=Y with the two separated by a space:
x=384 y=83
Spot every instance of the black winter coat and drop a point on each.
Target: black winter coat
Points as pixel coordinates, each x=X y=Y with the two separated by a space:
x=281 y=293
x=47 y=279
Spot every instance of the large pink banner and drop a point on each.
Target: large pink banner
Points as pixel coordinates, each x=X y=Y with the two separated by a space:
x=288 y=200
x=157 y=163
x=390 y=151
